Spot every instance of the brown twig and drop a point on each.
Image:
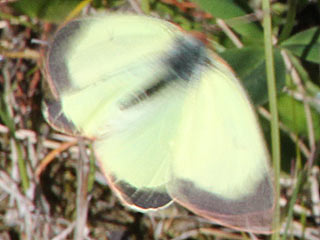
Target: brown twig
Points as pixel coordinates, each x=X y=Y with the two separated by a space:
x=82 y=200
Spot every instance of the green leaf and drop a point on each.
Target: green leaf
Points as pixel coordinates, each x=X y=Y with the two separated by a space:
x=249 y=64
x=52 y=11
x=305 y=45
x=292 y=114
x=228 y=9
x=309 y=80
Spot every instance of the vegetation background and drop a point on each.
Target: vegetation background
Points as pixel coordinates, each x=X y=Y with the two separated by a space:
x=39 y=188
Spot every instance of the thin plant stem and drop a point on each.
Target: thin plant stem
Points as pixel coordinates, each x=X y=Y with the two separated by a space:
x=275 y=135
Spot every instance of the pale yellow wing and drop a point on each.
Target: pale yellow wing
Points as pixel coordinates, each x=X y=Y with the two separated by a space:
x=220 y=168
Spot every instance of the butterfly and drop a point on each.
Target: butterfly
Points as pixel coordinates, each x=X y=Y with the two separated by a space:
x=169 y=118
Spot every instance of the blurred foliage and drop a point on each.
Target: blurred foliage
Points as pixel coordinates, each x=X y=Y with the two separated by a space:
x=51 y=11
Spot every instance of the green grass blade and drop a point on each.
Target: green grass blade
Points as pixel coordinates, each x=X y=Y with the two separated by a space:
x=275 y=136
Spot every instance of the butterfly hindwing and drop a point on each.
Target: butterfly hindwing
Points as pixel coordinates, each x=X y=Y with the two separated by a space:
x=136 y=159
x=225 y=176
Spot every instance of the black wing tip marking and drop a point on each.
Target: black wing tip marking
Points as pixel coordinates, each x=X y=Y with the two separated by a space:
x=53 y=113
x=143 y=198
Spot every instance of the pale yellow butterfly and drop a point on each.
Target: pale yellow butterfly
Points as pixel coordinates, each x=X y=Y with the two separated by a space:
x=170 y=119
